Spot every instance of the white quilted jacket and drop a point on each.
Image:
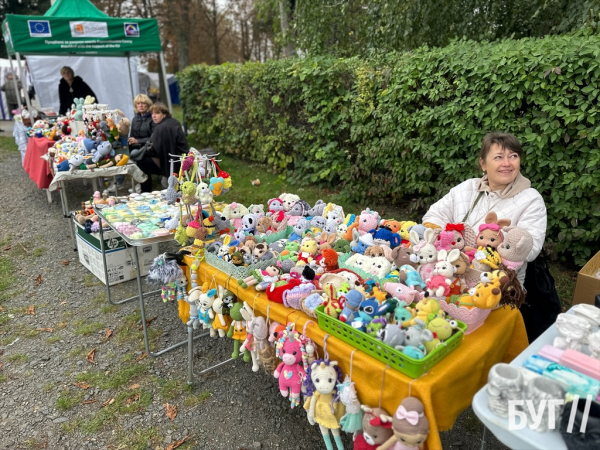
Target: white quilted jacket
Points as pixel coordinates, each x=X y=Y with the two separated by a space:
x=525 y=210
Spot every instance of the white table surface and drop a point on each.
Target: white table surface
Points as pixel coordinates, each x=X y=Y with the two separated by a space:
x=524 y=439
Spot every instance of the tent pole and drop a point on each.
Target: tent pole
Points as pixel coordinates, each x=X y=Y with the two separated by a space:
x=130 y=79
x=164 y=72
x=24 y=83
x=15 y=84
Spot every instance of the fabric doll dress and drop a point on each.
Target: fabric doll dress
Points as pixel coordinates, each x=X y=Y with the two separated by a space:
x=352 y=422
x=400 y=446
x=323 y=414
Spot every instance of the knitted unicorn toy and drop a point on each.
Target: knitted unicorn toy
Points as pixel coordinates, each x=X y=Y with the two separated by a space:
x=292 y=370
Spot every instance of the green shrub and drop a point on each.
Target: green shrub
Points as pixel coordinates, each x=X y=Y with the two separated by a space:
x=410 y=125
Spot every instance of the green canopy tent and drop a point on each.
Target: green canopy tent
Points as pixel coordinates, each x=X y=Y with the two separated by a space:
x=77 y=27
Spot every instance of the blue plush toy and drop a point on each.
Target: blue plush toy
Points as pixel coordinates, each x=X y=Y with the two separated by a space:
x=385 y=234
x=401 y=314
x=363 y=243
x=299 y=230
x=367 y=311
x=104 y=149
x=413 y=278
x=353 y=300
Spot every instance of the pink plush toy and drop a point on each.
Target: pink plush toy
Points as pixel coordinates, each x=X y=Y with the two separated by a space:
x=292 y=370
x=454 y=235
x=367 y=221
x=403 y=292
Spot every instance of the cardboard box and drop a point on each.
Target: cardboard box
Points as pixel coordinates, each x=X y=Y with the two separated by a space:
x=588 y=286
x=119 y=256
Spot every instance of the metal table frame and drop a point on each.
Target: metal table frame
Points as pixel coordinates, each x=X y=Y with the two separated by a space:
x=135 y=243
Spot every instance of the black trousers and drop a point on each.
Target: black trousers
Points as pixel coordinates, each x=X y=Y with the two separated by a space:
x=149 y=167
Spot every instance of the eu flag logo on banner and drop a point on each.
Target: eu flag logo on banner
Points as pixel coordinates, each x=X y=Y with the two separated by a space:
x=39 y=28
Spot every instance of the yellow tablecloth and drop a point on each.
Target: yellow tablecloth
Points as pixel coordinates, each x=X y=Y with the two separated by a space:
x=446 y=390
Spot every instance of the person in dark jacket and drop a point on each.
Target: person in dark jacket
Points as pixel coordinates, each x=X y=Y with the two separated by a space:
x=142 y=124
x=12 y=100
x=71 y=87
x=140 y=131
x=167 y=139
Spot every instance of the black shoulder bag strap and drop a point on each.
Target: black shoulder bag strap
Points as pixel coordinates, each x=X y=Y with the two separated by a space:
x=472 y=206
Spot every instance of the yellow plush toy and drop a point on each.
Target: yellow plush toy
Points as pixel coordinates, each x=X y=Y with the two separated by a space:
x=426 y=310
x=488 y=292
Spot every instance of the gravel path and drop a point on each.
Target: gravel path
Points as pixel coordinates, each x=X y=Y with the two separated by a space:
x=55 y=312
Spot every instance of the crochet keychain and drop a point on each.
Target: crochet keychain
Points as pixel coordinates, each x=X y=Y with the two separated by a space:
x=323 y=405
x=352 y=420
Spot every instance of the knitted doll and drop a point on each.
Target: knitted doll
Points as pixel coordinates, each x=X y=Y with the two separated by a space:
x=352 y=420
x=261 y=278
x=292 y=370
x=237 y=331
x=409 y=425
x=489 y=237
x=323 y=405
x=374 y=431
x=515 y=248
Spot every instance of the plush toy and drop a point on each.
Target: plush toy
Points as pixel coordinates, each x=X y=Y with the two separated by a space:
x=292 y=370
x=488 y=293
x=414 y=338
x=404 y=256
x=426 y=310
x=368 y=310
x=404 y=232
x=297 y=211
x=409 y=276
x=391 y=334
x=403 y=292
x=490 y=232
x=317 y=209
x=367 y=221
x=351 y=422
x=403 y=314
x=323 y=405
x=249 y=223
x=409 y=425
x=374 y=431
x=262 y=278
x=204 y=194
x=380 y=267
x=393 y=225
x=459 y=284
x=288 y=200
x=79 y=107
x=487 y=259
x=515 y=247
x=276 y=209
x=308 y=251
x=237 y=331
x=222 y=321
x=364 y=242
x=234 y=212
x=439 y=284
x=205 y=298
x=454 y=235
x=426 y=255
x=330 y=260
x=442 y=330
x=386 y=236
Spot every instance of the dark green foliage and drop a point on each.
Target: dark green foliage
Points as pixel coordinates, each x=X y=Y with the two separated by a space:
x=410 y=125
x=25 y=7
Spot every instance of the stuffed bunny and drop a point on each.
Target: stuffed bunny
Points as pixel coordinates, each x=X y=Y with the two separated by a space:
x=79 y=109
x=516 y=246
x=426 y=255
x=439 y=284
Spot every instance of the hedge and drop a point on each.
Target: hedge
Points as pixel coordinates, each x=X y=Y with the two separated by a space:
x=410 y=125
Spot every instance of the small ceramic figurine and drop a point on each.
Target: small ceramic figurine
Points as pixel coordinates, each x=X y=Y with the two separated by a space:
x=572 y=329
x=409 y=424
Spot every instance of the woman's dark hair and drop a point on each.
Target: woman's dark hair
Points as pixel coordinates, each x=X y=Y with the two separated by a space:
x=504 y=140
x=161 y=108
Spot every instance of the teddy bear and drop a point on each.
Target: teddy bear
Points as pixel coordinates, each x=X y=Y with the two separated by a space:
x=374 y=431
x=288 y=200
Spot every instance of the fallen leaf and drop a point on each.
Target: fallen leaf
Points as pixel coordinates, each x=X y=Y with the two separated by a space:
x=134 y=386
x=49 y=330
x=0 y=366
x=38 y=279
x=108 y=334
x=31 y=310
x=65 y=262
x=7 y=248
x=142 y=356
x=148 y=322
x=132 y=399
x=87 y=402
x=110 y=401
x=26 y=251
x=63 y=303
x=81 y=385
x=90 y=356
x=177 y=444
x=1 y=308
x=170 y=411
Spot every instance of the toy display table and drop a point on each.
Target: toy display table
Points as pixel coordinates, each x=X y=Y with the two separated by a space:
x=34 y=165
x=525 y=438
x=58 y=182
x=141 y=295
x=450 y=385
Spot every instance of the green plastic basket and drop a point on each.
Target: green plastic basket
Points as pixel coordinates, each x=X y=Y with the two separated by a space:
x=414 y=368
x=236 y=272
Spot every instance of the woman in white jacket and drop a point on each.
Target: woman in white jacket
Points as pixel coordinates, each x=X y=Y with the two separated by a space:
x=509 y=194
x=502 y=189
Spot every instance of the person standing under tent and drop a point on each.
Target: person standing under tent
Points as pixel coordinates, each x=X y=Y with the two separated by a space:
x=71 y=87
x=12 y=100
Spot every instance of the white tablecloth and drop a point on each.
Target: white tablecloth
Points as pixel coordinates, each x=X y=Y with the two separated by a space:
x=128 y=169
